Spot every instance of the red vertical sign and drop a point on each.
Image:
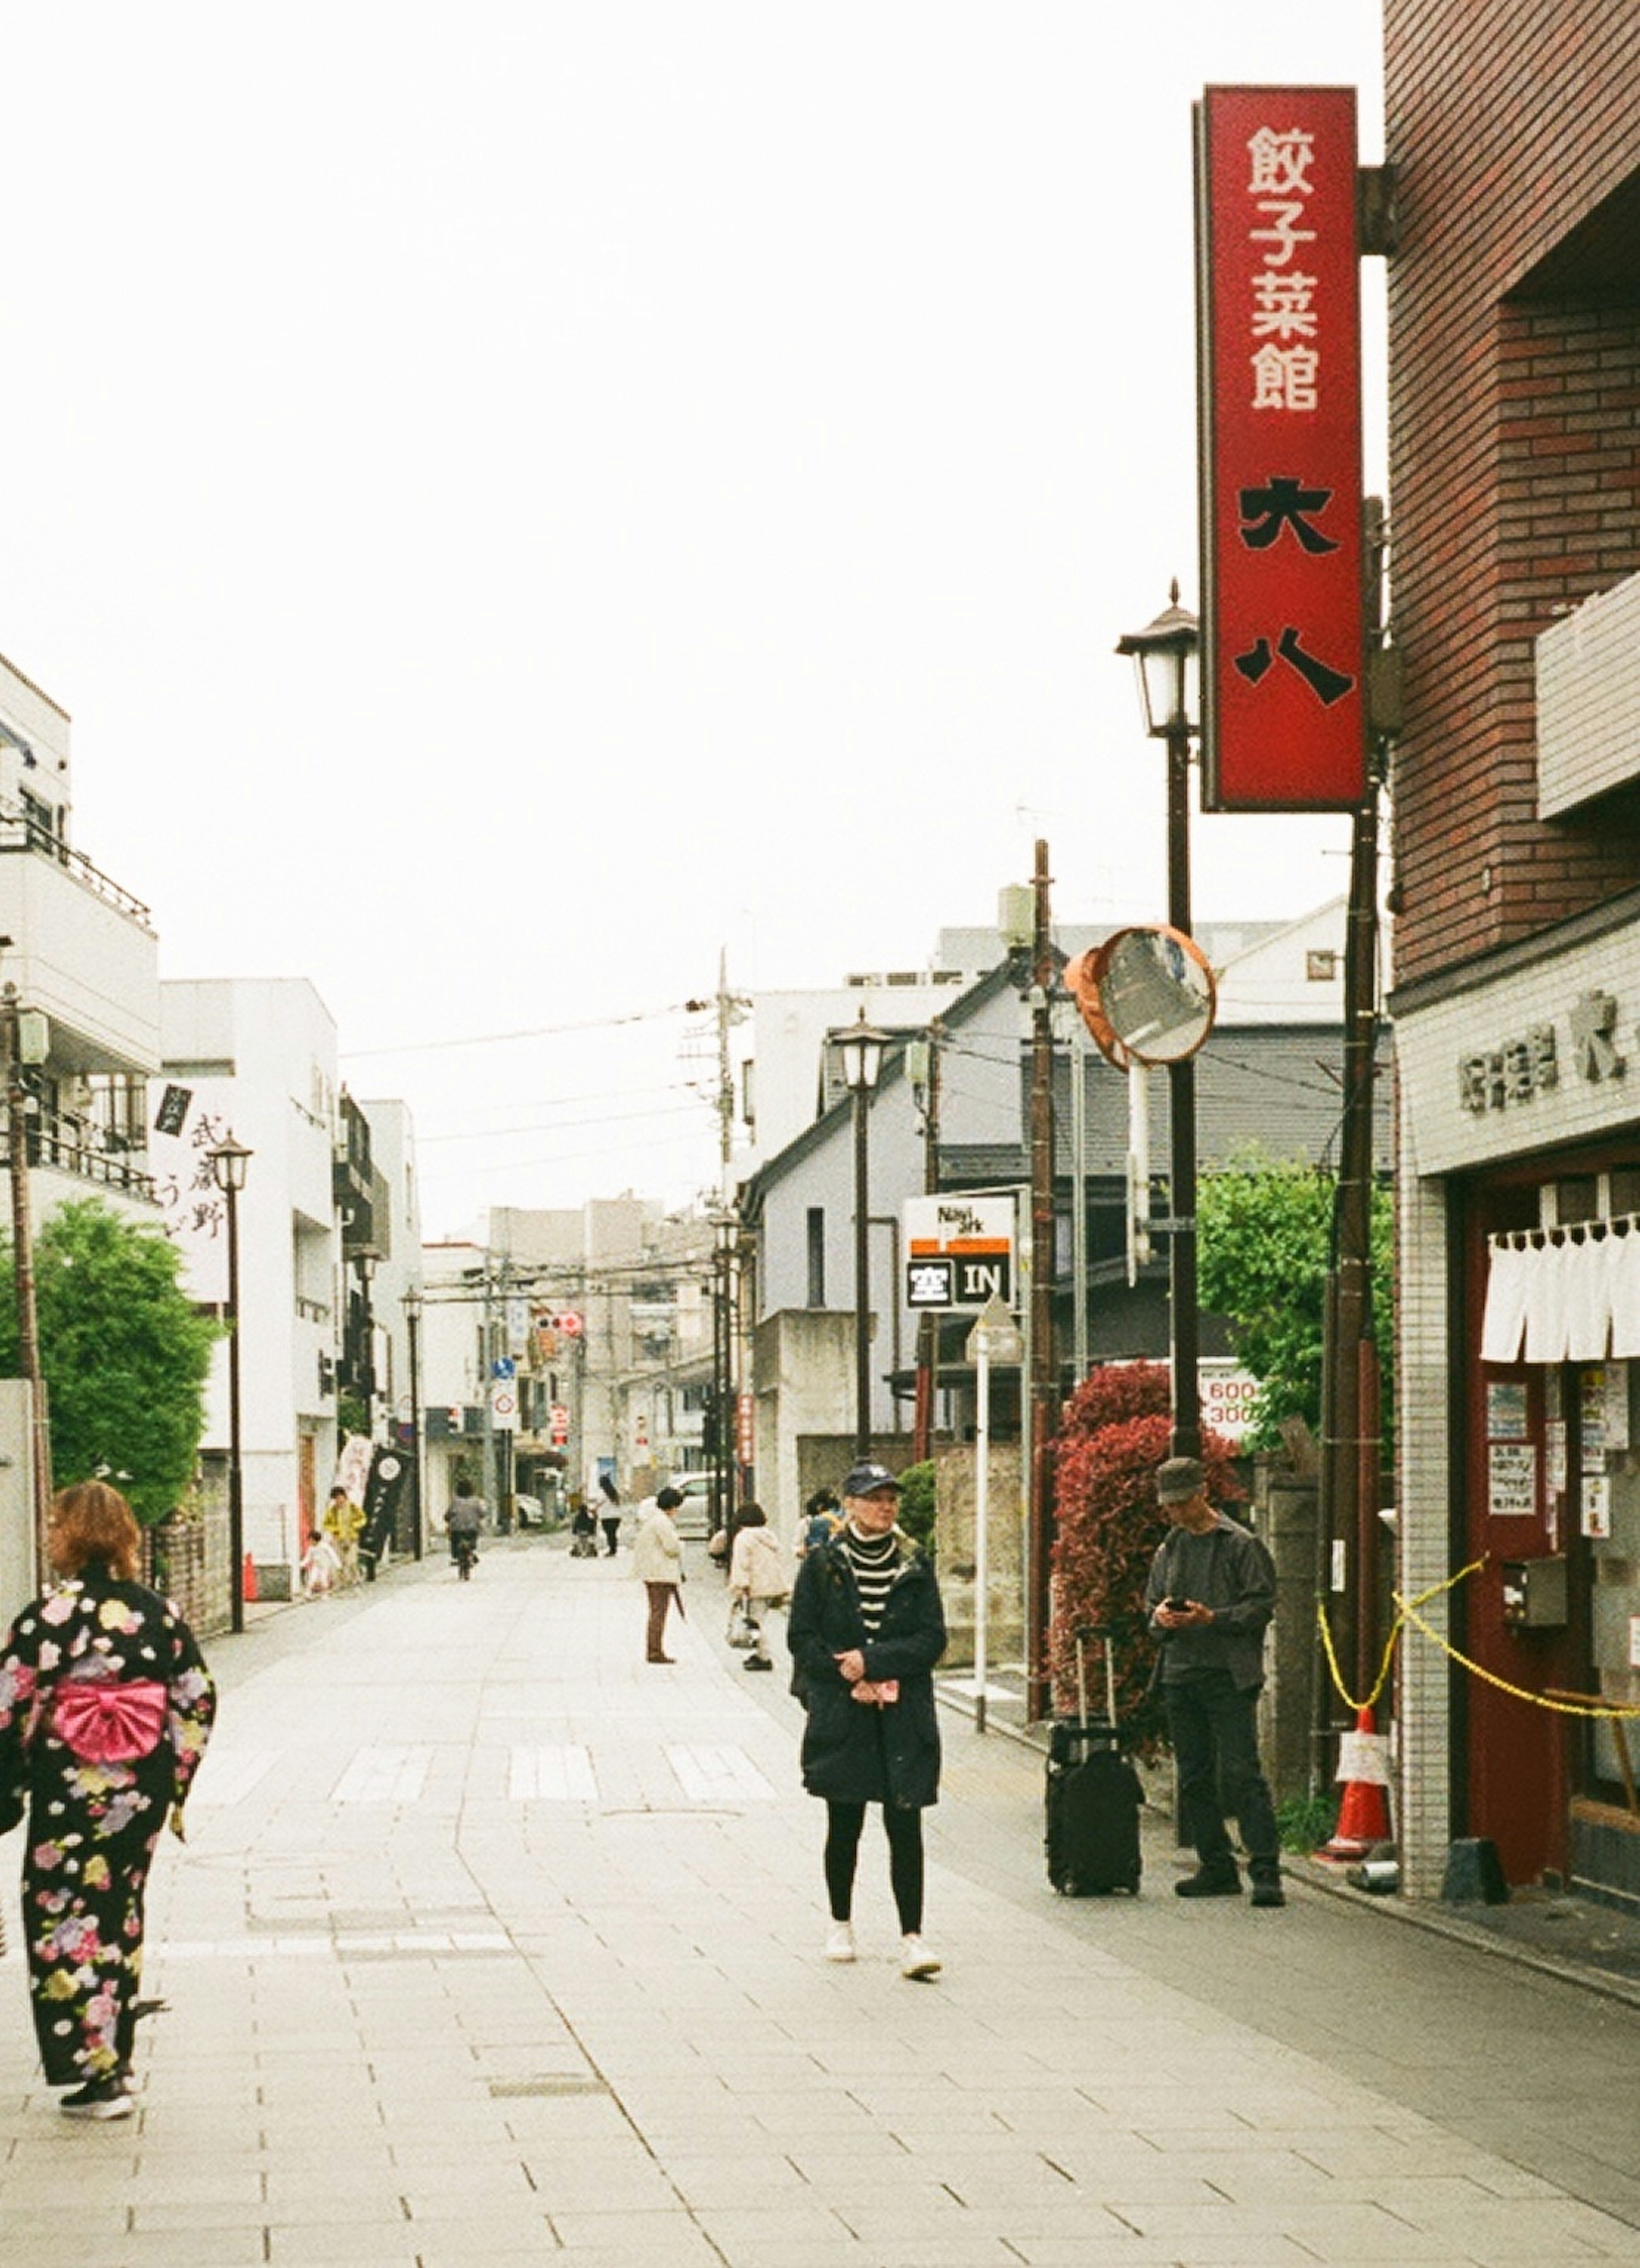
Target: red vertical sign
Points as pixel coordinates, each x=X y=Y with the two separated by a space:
x=1279 y=326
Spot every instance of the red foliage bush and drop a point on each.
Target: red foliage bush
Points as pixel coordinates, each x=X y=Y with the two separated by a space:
x=1109 y=1527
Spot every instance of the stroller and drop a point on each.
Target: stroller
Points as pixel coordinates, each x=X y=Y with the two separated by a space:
x=583 y=1535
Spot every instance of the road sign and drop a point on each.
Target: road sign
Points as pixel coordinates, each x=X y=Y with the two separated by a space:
x=504 y=1407
x=995 y=1336
x=960 y=1251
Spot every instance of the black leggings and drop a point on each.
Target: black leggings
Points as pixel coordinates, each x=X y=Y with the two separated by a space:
x=904 y=1829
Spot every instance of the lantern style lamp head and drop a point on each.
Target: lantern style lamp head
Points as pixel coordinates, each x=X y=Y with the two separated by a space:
x=366 y=1260
x=228 y=1162
x=1168 y=653
x=860 y=1054
x=411 y=1301
x=726 y=1228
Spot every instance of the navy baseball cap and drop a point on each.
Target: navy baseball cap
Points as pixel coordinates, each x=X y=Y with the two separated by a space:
x=865 y=1480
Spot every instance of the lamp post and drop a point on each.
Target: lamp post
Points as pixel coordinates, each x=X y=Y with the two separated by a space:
x=1166 y=653
x=725 y=1228
x=23 y=1035
x=366 y=1259
x=413 y=1306
x=228 y=1162
x=860 y=1053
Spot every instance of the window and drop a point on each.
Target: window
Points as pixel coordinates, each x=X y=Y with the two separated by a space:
x=817 y=1256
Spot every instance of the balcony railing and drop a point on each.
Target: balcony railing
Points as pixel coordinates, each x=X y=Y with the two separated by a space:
x=19 y=833
x=74 y=1146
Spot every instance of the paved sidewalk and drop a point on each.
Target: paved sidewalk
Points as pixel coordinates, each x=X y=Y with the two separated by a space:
x=495 y=1944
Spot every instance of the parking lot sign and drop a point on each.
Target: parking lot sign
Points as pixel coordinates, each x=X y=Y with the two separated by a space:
x=959 y=1251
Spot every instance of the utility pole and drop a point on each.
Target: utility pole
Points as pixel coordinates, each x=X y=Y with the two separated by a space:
x=1349 y=1448
x=1044 y=1370
x=922 y=1070
x=23 y=1267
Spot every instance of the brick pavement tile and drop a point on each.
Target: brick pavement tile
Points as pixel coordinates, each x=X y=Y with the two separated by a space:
x=1261 y=2251
x=340 y=2247
x=1363 y=2231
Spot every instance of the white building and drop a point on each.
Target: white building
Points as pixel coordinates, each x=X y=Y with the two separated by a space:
x=81 y=952
x=256 y=1058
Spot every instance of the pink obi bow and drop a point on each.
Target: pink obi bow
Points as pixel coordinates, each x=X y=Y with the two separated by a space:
x=110 y=1724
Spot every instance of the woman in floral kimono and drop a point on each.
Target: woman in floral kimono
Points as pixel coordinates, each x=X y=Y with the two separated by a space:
x=105 y=1709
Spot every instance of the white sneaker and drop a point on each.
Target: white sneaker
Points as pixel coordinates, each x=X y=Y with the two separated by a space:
x=915 y=1960
x=839 y=1941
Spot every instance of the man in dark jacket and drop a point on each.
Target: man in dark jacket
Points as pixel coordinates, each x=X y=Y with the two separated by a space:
x=1211 y=1596
x=865 y=1630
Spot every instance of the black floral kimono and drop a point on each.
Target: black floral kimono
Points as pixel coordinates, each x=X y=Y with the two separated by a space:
x=137 y=1705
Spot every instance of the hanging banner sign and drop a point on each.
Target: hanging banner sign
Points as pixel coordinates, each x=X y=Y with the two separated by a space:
x=1278 y=321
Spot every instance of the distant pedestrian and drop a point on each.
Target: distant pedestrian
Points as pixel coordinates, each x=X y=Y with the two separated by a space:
x=321 y=1567
x=341 y=1523
x=609 y=1516
x=1210 y=1596
x=757 y=1579
x=106 y=1706
x=820 y=1517
x=867 y=1627
x=657 y=1564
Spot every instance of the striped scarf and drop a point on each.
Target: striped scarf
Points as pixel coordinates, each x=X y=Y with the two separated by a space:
x=875 y=1560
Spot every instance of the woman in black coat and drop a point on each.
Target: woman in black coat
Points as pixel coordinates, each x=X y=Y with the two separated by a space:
x=866 y=1629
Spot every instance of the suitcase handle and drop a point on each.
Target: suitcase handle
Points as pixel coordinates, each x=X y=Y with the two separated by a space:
x=1101 y=1630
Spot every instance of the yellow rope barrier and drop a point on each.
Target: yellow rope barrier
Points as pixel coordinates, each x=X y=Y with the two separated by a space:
x=1404 y=1615
x=1490 y=1677
x=1407 y=1613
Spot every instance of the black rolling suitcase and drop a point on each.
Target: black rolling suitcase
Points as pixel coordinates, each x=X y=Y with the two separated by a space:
x=1093 y=1797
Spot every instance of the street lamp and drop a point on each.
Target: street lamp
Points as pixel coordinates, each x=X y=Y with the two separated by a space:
x=413 y=1307
x=859 y=1049
x=1167 y=655
x=228 y=1161
x=366 y=1259
x=726 y=1229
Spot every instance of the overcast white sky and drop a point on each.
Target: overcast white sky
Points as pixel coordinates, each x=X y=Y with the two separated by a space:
x=517 y=496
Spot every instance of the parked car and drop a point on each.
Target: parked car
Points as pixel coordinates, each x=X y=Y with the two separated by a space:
x=693 y=1518
x=529 y=1512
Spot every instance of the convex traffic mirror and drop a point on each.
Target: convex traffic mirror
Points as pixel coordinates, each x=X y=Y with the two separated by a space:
x=1146 y=994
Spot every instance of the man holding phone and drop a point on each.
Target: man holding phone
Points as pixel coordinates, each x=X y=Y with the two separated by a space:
x=1210 y=1596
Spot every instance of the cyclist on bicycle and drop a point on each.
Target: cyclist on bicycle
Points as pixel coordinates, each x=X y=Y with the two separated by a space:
x=462 y=1523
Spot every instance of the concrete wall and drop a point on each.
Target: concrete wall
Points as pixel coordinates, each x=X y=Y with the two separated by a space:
x=956 y=1475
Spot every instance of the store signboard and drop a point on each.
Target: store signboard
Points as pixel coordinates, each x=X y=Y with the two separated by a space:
x=1279 y=342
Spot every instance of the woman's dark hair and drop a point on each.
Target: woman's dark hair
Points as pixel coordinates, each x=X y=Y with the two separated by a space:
x=751 y=1515
x=823 y=1499
x=91 y=1521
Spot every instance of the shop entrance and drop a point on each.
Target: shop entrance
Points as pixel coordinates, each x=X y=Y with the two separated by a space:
x=1551 y=1499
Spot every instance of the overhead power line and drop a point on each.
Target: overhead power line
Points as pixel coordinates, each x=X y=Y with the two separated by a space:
x=537 y=1032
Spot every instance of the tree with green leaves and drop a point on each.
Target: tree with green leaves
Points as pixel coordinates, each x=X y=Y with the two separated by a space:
x=123 y=1351
x=1265 y=1228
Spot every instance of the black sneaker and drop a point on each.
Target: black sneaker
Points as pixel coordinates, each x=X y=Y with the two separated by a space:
x=1269 y=1892
x=1210 y=1882
x=756 y=1661
x=102 y=2098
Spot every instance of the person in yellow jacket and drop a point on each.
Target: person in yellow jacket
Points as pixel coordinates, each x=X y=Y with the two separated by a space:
x=343 y=1523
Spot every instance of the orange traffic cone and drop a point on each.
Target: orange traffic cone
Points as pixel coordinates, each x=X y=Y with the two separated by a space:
x=247 y=1580
x=1363 y=1811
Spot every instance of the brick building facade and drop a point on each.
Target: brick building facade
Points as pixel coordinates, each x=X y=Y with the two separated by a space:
x=1514 y=135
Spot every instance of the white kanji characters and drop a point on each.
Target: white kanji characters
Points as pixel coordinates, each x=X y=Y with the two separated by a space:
x=1284 y=231
x=1281 y=162
x=1283 y=378
x=1284 y=304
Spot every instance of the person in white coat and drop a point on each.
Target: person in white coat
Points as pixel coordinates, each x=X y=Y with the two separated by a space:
x=757 y=1577
x=657 y=1564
